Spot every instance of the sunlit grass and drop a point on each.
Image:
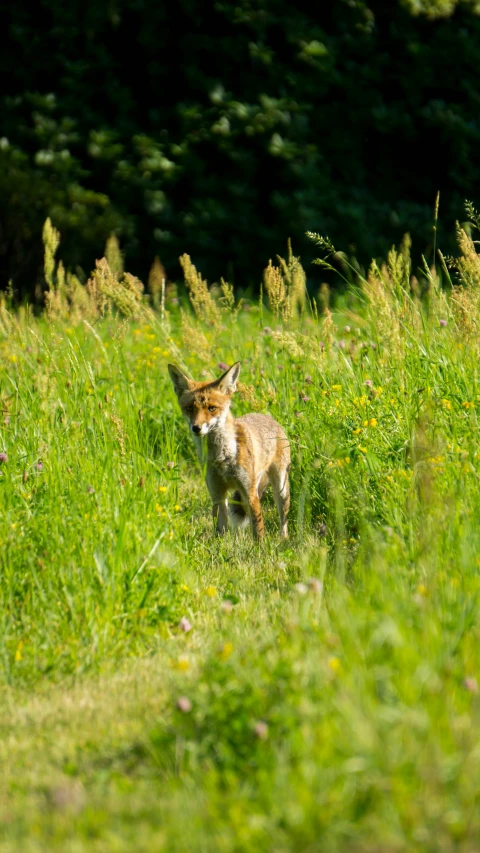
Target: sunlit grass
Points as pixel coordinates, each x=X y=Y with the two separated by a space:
x=168 y=689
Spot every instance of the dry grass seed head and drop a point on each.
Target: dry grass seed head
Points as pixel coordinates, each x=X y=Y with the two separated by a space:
x=249 y=394
x=125 y=295
x=194 y=340
x=276 y=291
x=51 y=242
x=289 y=341
x=156 y=281
x=114 y=256
x=202 y=300
x=382 y=308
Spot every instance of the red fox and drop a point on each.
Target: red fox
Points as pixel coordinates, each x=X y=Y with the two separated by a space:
x=244 y=455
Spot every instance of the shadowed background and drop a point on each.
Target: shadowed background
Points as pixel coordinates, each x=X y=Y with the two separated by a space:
x=222 y=129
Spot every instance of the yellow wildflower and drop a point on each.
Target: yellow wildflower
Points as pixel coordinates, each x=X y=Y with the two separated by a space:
x=211 y=591
x=225 y=651
x=372 y=422
x=162 y=489
x=357 y=431
x=334 y=664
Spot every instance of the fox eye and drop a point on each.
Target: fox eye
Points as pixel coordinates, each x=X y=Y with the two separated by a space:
x=212 y=408
x=189 y=409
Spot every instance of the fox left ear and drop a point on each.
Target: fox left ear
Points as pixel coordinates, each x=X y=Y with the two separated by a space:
x=181 y=382
x=227 y=384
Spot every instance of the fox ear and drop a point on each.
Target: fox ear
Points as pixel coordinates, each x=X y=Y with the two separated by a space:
x=181 y=382
x=227 y=384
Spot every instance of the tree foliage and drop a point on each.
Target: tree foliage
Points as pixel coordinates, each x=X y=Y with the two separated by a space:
x=222 y=129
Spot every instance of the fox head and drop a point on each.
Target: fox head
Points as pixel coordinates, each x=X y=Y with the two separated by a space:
x=204 y=405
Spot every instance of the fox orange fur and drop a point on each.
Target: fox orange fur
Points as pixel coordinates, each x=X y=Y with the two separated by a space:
x=244 y=455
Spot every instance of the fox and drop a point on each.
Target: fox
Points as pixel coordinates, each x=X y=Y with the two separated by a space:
x=243 y=455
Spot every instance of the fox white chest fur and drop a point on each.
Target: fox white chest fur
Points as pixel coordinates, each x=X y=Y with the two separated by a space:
x=243 y=455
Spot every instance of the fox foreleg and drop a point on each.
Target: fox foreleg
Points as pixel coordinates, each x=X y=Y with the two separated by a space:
x=218 y=494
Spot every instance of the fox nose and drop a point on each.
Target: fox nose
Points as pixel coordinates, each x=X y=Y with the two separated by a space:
x=196 y=429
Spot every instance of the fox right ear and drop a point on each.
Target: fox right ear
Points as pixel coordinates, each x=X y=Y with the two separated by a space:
x=181 y=382
x=227 y=383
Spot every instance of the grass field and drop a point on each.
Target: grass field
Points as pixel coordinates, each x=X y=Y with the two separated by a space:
x=164 y=689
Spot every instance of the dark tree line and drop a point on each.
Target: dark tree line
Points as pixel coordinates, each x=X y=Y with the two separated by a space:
x=222 y=128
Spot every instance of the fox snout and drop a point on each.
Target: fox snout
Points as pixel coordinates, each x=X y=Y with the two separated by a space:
x=204 y=427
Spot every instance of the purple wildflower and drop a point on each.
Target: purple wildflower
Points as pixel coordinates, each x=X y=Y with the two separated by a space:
x=443 y=322
x=170 y=465
x=184 y=705
x=39 y=466
x=261 y=730
x=222 y=366
x=185 y=625
x=305 y=398
x=3 y=458
x=322 y=530
x=341 y=344
x=470 y=684
x=368 y=383
x=308 y=380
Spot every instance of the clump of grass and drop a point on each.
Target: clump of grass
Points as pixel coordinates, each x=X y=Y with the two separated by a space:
x=285 y=286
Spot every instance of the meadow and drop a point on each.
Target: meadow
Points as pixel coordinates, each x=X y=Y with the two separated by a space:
x=168 y=689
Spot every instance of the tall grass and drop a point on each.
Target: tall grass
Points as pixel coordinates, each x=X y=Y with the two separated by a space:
x=166 y=688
